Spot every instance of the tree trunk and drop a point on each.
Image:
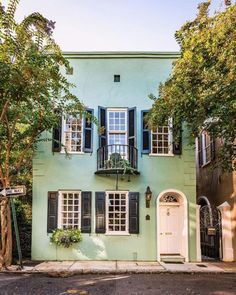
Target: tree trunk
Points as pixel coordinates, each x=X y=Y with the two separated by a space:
x=5 y=234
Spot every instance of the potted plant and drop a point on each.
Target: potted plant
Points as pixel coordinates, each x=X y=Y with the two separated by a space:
x=65 y=237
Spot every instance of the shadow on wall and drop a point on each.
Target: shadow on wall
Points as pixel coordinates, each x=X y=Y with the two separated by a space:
x=92 y=245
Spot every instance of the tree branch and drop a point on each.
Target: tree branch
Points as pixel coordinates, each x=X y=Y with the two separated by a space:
x=4 y=110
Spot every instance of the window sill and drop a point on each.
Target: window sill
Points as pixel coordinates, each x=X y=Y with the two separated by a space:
x=117 y=234
x=73 y=153
x=205 y=164
x=161 y=155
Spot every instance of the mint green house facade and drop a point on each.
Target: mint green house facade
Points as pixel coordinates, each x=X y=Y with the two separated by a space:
x=88 y=190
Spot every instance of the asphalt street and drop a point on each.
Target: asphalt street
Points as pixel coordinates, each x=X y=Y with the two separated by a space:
x=140 y=284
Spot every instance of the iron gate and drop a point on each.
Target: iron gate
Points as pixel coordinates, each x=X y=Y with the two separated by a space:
x=210 y=229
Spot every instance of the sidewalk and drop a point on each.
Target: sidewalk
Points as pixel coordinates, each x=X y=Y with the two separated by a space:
x=67 y=268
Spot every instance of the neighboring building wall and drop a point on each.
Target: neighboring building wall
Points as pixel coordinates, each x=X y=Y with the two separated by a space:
x=218 y=187
x=95 y=86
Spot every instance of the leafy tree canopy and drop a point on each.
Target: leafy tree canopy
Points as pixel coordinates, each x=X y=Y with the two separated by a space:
x=202 y=87
x=31 y=87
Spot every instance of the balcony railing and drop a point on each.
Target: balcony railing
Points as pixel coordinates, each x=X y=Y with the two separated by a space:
x=117 y=159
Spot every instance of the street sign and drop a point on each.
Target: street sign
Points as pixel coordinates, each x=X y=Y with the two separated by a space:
x=14 y=191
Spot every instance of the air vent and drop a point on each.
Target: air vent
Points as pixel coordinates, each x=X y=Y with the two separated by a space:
x=116 y=78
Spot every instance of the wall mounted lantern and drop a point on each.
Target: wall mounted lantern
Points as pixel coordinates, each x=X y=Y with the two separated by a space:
x=148 y=197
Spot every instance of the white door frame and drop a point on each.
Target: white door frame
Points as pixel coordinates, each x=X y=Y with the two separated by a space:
x=185 y=225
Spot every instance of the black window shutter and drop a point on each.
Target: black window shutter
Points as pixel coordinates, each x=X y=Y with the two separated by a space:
x=200 y=157
x=100 y=212
x=56 y=135
x=88 y=133
x=146 y=134
x=177 y=139
x=52 y=211
x=132 y=127
x=102 y=114
x=86 y=198
x=133 y=213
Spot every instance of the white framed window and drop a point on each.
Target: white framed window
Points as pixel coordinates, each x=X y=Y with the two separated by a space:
x=161 y=140
x=69 y=209
x=117 y=131
x=117 y=208
x=72 y=134
x=205 y=148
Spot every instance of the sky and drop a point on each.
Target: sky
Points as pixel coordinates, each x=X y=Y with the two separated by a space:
x=115 y=25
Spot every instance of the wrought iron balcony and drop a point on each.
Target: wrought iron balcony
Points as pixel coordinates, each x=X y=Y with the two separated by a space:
x=117 y=159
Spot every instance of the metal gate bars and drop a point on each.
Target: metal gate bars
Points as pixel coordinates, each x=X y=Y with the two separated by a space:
x=210 y=230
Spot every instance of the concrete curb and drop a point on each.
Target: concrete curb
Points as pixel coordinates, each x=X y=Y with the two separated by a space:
x=111 y=272
x=71 y=268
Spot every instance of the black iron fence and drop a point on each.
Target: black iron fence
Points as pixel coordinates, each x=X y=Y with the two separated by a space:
x=117 y=157
x=210 y=230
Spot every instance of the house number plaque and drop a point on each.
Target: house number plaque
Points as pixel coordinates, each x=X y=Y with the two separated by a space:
x=211 y=231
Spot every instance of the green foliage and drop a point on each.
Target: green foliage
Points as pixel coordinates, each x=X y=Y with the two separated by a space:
x=202 y=87
x=125 y=164
x=31 y=88
x=24 y=220
x=65 y=237
x=117 y=162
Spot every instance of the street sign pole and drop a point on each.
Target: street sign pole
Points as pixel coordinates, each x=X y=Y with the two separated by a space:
x=12 y=202
x=12 y=193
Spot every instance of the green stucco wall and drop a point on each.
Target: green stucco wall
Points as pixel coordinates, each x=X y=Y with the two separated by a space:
x=95 y=86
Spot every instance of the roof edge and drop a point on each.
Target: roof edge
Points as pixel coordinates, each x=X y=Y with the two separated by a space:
x=121 y=54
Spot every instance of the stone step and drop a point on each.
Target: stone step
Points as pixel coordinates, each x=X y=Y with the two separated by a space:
x=168 y=258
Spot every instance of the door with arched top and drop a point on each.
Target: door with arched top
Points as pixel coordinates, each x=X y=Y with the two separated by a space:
x=170 y=228
x=171 y=223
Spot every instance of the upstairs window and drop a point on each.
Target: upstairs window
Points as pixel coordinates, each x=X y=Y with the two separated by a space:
x=118 y=126
x=161 y=141
x=117 y=139
x=73 y=134
x=206 y=148
x=206 y=145
x=117 y=131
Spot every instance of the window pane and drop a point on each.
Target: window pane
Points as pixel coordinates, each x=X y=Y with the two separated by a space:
x=73 y=134
x=161 y=140
x=70 y=210
x=117 y=213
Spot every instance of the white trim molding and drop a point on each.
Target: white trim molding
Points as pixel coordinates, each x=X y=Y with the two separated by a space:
x=126 y=212
x=60 y=205
x=183 y=202
x=198 y=234
x=227 y=235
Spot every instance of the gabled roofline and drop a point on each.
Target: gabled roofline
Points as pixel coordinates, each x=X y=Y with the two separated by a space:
x=121 y=54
